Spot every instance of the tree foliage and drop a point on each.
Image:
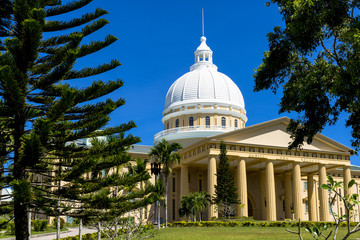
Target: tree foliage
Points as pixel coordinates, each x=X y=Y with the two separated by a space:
x=41 y=113
x=194 y=203
x=225 y=189
x=165 y=153
x=315 y=60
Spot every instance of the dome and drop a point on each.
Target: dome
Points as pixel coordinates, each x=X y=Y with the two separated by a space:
x=204 y=84
x=202 y=103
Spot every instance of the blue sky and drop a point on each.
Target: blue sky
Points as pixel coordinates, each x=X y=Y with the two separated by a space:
x=157 y=40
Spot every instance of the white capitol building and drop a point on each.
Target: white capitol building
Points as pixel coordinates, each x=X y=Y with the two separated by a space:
x=204 y=107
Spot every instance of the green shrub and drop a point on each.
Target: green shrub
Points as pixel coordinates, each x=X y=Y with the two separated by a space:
x=62 y=223
x=3 y=223
x=10 y=228
x=40 y=225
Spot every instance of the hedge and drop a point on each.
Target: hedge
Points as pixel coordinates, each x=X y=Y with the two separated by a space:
x=253 y=223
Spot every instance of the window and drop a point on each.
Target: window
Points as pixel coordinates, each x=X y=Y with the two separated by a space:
x=177 y=123
x=236 y=123
x=173 y=184
x=223 y=122
x=173 y=209
x=207 y=122
x=283 y=203
x=305 y=186
x=200 y=185
x=191 y=121
x=306 y=206
x=167 y=125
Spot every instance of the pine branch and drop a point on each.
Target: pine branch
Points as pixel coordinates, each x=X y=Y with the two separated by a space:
x=87 y=72
x=69 y=7
x=51 y=26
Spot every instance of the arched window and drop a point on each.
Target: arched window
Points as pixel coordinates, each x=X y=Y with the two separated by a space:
x=167 y=125
x=191 y=121
x=207 y=121
x=223 y=122
x=177 y=123
x=236 y=123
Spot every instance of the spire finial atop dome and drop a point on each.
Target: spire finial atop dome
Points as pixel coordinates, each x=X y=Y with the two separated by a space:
x=203 y=56
x=203 y=22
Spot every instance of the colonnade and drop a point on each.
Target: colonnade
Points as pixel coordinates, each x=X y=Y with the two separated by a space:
x=292 y=191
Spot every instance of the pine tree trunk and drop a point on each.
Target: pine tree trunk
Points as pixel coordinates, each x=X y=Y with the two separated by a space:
x=159 y=214
x=20 y=208
x=29 y=223
x=21 y=221
x=116 y=219
x=80 y=229
x=166 y=195
x=58 y=227
x=99 y=231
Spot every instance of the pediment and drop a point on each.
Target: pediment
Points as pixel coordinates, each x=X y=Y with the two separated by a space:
x=273 y=134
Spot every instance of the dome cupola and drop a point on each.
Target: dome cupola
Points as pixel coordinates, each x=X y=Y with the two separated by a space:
x=203 y=56
x=202 y=102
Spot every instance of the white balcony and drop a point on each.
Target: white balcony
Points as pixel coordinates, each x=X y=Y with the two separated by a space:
x=194 y=131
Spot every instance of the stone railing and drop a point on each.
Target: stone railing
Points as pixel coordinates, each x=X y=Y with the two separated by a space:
x=194 y=128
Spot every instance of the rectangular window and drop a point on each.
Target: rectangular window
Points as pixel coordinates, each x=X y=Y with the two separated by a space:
x=200 y=185
x=173 y=209
x=305 y=186
x=306 y=206
x=173 y=185
x=283 y=205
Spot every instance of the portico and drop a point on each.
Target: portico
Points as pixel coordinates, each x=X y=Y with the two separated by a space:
x=273 y=176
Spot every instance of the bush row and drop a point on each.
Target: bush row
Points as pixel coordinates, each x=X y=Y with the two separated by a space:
x=253 y=223
x=93 y=236
x=39 y=225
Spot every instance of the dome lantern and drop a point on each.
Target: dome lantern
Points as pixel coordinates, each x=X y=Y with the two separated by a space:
x=201 y=103
x=203 y=56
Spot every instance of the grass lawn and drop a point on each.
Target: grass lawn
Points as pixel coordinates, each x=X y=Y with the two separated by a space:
x=48 y=230
x=220 y=233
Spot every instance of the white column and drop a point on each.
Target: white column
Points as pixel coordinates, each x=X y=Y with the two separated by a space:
x=270 y=192
x=323 y=195
x=184 y=182
x=298 y=213
x=311 y=198
x=242 y=208
x=288 y=195
x=211 y=185
x=347 y=179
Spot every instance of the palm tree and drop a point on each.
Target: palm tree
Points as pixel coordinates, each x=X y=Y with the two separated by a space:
x=186 y=206
x=201 y=202
x=165 y=153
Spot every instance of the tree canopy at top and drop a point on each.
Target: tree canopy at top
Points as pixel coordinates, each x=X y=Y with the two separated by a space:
x=315 y=58
x=42 y=115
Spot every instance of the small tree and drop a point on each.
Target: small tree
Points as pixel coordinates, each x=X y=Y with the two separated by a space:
x=349 y=201
x=194 y=203
x=186 y=206
x=164 y=153
x=225 y=190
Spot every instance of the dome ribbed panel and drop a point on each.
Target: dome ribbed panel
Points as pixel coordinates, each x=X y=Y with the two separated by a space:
x=206 y=85
x=220 y=87
x=168 y=99
x=202 y=85
x=234 y=93
x=191 y=86
x=179 y=88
